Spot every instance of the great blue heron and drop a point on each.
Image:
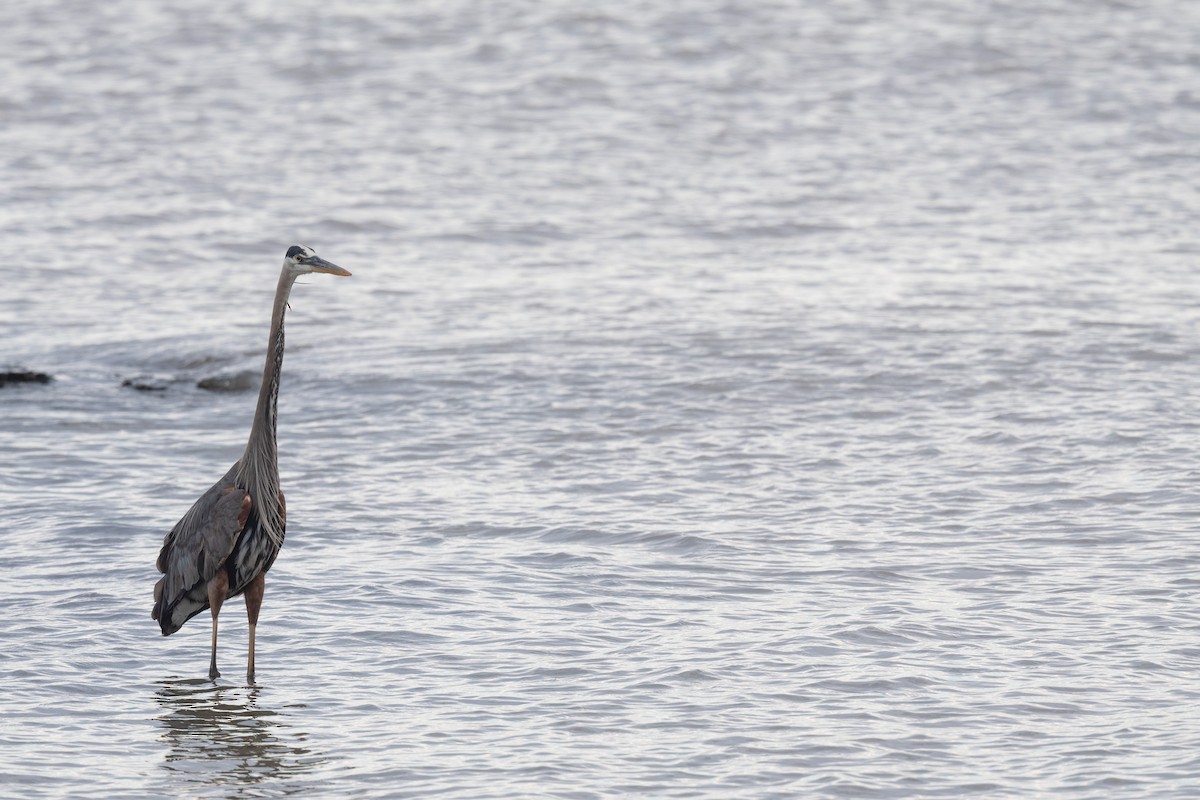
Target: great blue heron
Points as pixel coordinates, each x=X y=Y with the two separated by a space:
x=227 y=541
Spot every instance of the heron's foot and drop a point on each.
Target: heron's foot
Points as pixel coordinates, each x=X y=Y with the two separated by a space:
x=250 y=675
x=213 y=674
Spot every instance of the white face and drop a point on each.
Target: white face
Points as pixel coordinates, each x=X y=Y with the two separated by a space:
x=297 y=258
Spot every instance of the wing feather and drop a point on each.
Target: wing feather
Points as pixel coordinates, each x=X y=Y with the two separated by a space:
x=195 y=549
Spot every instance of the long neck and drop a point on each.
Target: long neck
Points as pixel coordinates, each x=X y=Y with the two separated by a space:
x=259 y=468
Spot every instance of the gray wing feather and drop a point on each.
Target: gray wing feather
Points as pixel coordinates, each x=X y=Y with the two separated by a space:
x=195 y=549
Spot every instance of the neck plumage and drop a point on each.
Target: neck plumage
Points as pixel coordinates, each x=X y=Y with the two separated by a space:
x=258 y=470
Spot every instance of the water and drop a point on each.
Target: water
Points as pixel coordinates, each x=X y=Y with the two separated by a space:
x=731 y=399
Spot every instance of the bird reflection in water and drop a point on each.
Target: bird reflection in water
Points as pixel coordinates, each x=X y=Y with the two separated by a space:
x=222 y=736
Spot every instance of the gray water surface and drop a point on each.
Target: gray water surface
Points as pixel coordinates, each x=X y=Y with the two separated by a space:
x=763 y=400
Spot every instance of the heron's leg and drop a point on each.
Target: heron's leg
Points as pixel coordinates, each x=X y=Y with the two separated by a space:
x=254 y=596
x=218 y=587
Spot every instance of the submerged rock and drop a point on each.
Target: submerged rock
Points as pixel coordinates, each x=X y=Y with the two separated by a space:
x=241 y=382
x=23 y=376
x=145 y=384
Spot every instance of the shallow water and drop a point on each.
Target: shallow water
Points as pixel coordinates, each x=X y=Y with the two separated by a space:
x=730 y=400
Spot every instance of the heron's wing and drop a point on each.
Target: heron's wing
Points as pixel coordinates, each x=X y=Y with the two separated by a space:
x=195 y=549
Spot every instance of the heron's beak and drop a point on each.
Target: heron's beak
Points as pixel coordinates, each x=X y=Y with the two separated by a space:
x=318 y=264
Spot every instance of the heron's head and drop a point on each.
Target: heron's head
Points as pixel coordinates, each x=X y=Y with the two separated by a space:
x=301 y=260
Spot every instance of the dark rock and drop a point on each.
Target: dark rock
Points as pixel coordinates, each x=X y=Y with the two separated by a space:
x=241 y=382
x=144 y=385
x=23 y=376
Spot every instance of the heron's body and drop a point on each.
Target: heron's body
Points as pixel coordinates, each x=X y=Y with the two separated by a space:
x=239 y=544
x=225 y=544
